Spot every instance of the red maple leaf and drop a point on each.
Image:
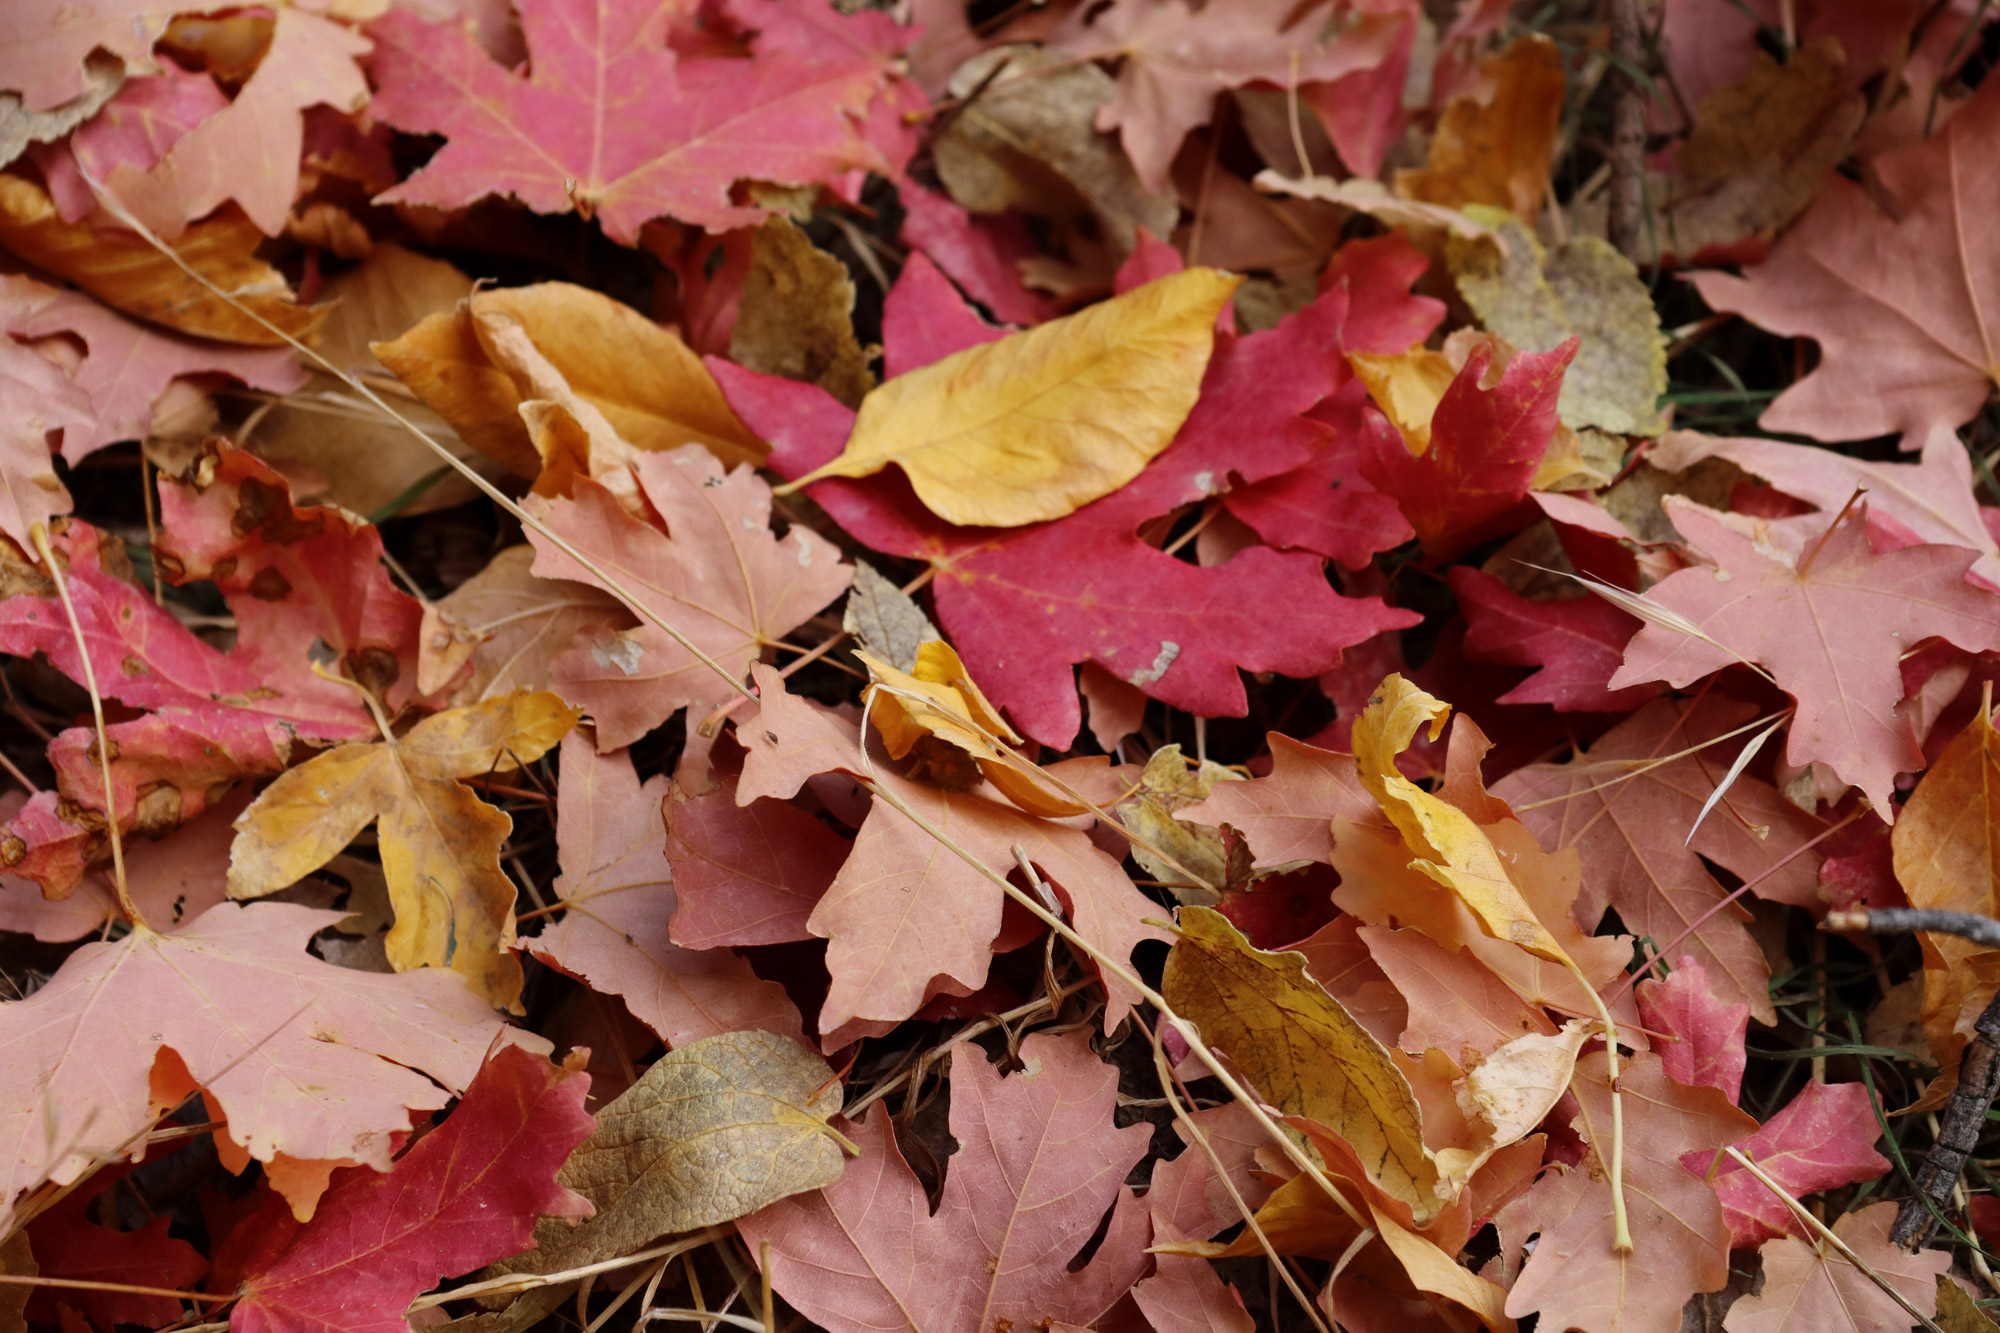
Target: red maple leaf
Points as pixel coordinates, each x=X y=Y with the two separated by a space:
x=468 y=1193
x=1579 y=644
x=67 y=1244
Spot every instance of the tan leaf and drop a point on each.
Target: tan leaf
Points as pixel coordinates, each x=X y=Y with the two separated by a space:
x=125 y=271
x=335 y=446
x=885 y=620
x=1166 y=787
x=712 y=1132
x=1303 y=1052
x=440 y=843
x=1041 y=422
x=796 y=316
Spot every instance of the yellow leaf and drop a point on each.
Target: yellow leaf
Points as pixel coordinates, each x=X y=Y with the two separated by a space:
x=1449 y=847
x=1407 y=387
x=914 y=708
x=650 y=387
x=1303 y=1052
x=440 y=843
x=1167 y=786
x=1044 y=421
x=126 y=271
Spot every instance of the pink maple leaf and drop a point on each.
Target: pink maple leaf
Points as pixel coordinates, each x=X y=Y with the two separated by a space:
x=1706 y=1045
x=1038 y=1165
x=1831 y=625
x=611 y=122
x=1823 y=1139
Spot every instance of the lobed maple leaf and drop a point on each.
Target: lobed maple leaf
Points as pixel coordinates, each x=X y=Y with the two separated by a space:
x=1089 y=588
x=1806 y=1286
x=1486 y=444
x=1705 y=1035
x=440 y=843
x=1039 y=1163
x=1831 y=625
x=467 y=1193
x=1900 y=298
x=567 y=134
x=306 y=1059
x=1574 y=1279
x=906 y=919
x=618 y=896
x=716 y=574
x=1578 y=643
x=1629 y=817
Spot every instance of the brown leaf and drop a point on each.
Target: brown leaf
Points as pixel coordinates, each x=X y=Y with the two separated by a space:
x=1497 y=149
x=125 y=271
x=796 y=317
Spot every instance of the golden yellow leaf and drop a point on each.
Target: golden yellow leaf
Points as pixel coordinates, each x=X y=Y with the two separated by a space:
x=1302 y=1050
x=914 y=708
x=1449 y=847
x=125 y=270
x=1497 y=149
x=1407 y=387
x=1946 y=846
x=711 y=1132
x=652 y=390
x=440 y=843
x=1042 y=422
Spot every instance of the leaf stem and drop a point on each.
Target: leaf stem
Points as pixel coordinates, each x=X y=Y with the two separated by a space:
x=1621 y=1230
x=40 y=534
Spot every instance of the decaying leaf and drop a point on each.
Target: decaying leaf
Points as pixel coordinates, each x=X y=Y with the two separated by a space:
x=712 y=1132
x=1167 y=786
x=885 y=620
x=440 y=842
x=796 y=315
x=1538 y=299
x=1042 y=422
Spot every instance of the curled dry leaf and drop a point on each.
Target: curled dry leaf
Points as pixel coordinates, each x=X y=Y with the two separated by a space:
x=649 y=386
x=1040 y=423
x=440 y=843
x=1449 y=847
x=126 y=272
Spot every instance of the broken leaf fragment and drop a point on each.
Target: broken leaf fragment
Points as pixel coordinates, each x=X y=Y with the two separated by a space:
x=1167 y=786
x=1302 y=1050
x=1040 y=423
x=1449 y=847
x=440 y=843
x=937 y=704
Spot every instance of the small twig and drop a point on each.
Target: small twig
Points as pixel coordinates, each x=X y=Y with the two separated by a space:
x=1625 y=220
x=1980 y=930
x=513 y=1282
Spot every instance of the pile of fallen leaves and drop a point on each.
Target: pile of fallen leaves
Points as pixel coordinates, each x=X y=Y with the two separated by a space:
x=1103 y=664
